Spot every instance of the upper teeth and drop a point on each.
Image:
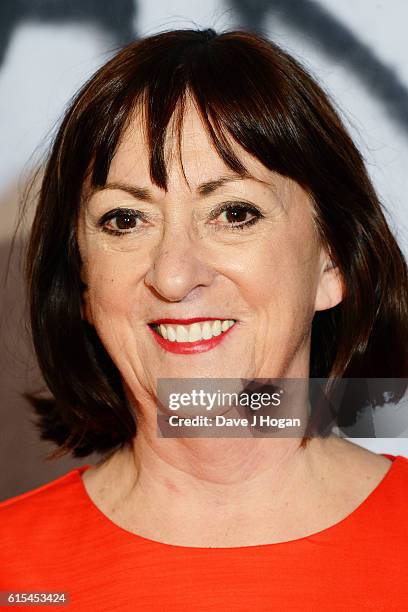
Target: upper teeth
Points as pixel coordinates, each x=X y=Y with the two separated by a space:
x=194 y=332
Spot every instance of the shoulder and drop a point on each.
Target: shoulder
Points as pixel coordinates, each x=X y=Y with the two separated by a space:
x=355 y=462
x=47 y=505
x=368 y=472
x=357 y=473
x=42 y=494
x=44 y=532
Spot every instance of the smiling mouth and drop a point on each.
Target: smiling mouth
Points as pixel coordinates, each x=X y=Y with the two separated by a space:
x=195 y=332
x=192 y=336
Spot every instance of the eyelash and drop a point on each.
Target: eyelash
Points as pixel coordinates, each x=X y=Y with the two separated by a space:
x=225 y=207
x=130 y=212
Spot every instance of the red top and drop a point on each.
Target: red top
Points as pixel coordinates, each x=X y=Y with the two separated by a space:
x=54 y=539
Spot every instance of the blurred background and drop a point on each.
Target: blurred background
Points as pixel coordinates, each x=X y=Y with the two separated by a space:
x=357 y=49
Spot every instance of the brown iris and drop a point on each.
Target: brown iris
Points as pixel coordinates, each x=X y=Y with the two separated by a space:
x=125 y=221
x=236 y=215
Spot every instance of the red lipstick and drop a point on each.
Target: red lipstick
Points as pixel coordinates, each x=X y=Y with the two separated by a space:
x=187 y=348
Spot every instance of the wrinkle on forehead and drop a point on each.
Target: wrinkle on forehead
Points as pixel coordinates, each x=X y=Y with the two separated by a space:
x=185 y=132
x=187 y=137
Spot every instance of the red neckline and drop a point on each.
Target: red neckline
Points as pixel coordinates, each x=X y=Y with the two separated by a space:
x=354 y=515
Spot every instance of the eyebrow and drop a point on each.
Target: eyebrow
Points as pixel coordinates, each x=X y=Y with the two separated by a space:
x=204 y=189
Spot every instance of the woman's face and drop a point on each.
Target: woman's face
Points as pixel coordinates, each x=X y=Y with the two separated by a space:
x=177 y=255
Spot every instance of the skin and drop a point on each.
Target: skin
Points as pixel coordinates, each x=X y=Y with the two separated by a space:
x=271 y=277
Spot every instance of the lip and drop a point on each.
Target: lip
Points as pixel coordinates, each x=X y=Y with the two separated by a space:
x=186 y=321
x=187 y=348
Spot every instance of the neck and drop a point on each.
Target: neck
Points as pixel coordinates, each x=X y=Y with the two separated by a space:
x=160 y=486
x=227 y=468
x=193 y=475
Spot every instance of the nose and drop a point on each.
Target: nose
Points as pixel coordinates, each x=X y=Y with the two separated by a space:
x=178 y=266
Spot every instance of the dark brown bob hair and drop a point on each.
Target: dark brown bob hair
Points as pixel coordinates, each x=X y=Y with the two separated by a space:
x=247 y=88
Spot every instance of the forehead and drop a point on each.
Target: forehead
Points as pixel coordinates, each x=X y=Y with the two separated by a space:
x=190 y=157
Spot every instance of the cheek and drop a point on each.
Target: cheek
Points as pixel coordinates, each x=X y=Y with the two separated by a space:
x=114 y=315
x=112 y=281
x=280 y=275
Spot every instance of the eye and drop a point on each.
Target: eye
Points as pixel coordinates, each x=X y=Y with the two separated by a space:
x=236 y=215
x=121 y=221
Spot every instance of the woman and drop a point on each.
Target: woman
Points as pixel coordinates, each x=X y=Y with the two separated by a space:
x=204 y=214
